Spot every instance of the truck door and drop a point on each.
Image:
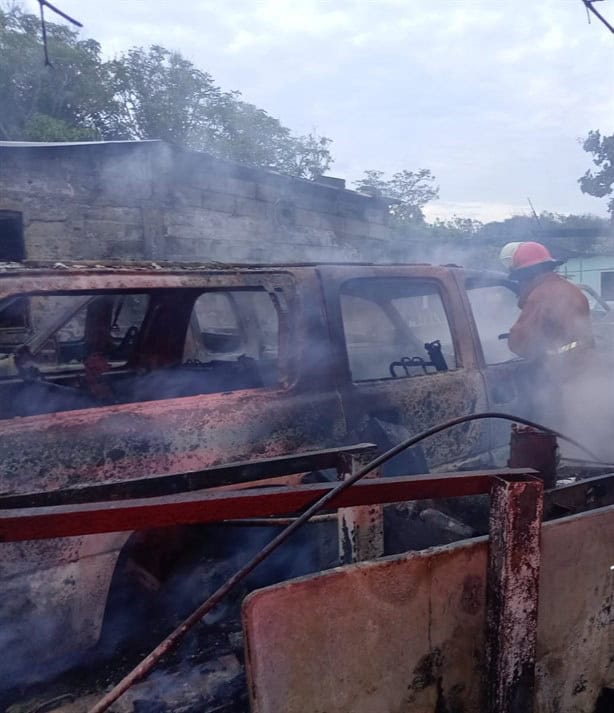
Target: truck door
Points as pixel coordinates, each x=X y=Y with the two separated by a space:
x=493 y=303
x=405 y=361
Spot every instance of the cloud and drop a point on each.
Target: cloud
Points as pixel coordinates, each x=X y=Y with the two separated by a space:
x=485 y=212
x=491 y=96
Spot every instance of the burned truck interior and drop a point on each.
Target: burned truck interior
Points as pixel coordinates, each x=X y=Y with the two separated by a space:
x=86 y=350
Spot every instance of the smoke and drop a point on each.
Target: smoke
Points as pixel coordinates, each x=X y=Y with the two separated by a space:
x=587 y=409
x=580 y=406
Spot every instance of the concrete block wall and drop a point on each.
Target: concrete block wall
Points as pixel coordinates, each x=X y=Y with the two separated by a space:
x=150 y=200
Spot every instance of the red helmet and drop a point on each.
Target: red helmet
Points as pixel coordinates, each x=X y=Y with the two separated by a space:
x=529 y=254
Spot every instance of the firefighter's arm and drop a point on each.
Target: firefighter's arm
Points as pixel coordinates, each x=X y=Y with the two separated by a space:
x=524 y=336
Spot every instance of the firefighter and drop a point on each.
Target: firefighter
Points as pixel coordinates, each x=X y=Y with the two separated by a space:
x=555 y=316
x=553 y=329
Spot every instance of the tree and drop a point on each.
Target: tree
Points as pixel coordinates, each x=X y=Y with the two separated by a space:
x=407 y=191
x=150 y=93
x=456 y=225
x=600 y=183
x=163 y=95
x=72 y=94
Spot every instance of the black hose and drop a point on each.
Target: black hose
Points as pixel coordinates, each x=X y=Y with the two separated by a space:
x=173 y=639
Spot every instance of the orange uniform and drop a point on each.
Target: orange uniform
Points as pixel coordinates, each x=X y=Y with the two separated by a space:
x=554 y=319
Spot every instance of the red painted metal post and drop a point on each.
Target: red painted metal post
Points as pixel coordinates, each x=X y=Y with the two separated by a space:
x=361 y=529
x=513 y=586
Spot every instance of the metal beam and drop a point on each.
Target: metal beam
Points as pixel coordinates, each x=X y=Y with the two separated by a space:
x=159 y=485
x=18 y=524
x=584 y=495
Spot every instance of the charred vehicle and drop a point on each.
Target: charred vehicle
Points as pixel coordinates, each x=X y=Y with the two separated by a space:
x=121 y=373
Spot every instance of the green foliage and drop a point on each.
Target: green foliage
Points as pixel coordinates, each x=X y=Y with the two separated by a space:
x=457 y=226
x=42 y=127
x=407 y=191
x=525 y=227
x=142 y=94
x=374 y=184
x=570 y=232
x=600 y=183
x=75 y=91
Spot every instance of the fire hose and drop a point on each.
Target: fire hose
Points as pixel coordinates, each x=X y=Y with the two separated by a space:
x=173 y=639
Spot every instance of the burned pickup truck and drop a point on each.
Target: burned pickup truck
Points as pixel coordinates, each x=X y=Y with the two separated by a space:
x=115 y=373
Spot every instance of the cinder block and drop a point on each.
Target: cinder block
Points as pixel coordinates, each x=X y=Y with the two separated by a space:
x=332 y=223
x=232 y=186
x=252 y=208
x=112 y=230
x=40 y=186
x=184 y=195
x=117 y=214
x=48 y=213
x=274 y=188
x=318 y=199
x=54 y=231
x=311 y=236
x=309 y=218
x=124 y=249
x=221 y=202
x=377 y=214
x=352 y=226
x=379 y=232
x=177 y=247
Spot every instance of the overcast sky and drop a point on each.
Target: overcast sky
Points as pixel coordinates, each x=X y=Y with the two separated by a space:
x=491 y=95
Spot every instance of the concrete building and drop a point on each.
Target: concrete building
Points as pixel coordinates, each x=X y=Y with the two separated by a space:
x=153 y=201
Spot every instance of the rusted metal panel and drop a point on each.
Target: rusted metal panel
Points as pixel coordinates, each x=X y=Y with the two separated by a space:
x=54 y=593
x=402 y=634
x=575 y=643
x=513 y=576
x=116 y=516
x=367 y=636
x=176 y=435
x=421 y=402
x=72 y=280
x=513 y=570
